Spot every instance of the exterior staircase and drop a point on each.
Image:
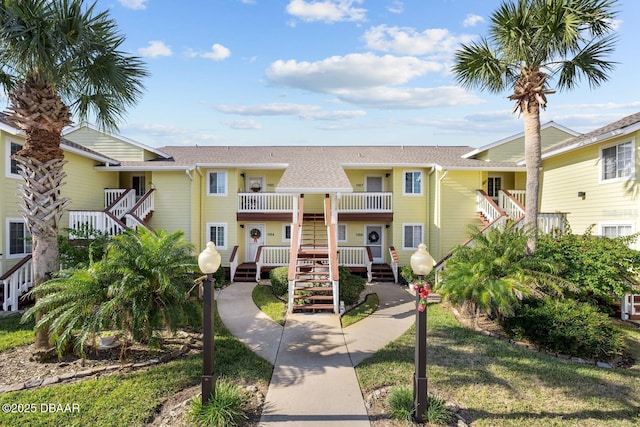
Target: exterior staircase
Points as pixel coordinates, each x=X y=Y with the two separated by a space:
x=312 y=284
x=245 y=272
x=382 y=273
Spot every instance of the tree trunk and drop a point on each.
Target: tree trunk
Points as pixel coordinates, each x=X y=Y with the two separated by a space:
x=532 y=154
x=43 y=207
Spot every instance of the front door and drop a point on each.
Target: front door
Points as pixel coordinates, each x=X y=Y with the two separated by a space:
x=255 y=239
x=139 y=185
x=374 y=240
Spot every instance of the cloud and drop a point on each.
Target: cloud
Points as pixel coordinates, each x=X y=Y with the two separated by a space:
x=327 y=10
x=134 y=4
x=302 y=111
x=242 y=124
x=409 y=41
x=356 y=70
x=472 y=20
x=218 y=52
x=157 y=135
x=396 y=7
x=155 y=49
x=400 y=98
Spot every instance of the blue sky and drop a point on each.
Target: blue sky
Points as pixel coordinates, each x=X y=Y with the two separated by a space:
x=335 y=72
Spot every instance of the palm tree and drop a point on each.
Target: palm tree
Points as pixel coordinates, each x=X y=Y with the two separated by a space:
x=59 y=58
x=531 y=44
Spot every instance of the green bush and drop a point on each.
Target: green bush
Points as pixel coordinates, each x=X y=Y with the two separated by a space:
x=225 y=409
x=407 y=276
x=567 y=326
x=279 y=277
x=219 y=278
x=400 y=403
x=351 y=286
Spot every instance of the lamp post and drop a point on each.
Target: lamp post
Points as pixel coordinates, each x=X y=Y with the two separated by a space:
x=209 y=262
x=421 y=264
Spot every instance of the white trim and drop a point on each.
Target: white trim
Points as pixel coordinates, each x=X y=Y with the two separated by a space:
x=381 y=176
x=284 y=234
x=346 y=235
x=631 y=176
x=404 y=181
x=226 y=183
x=616 y=224
x=89 y=155
x=8 y=222
x=421 y=240
x=7 y=157
x=225 y=233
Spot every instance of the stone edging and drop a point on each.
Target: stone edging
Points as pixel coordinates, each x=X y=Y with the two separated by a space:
x=70 y=376
x=532 y=347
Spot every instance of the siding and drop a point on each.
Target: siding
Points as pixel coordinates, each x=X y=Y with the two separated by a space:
x=222 y=209
x=106 y=144
x=172 y=202
x=513 y=151
x=409 y=209
x=606 y=202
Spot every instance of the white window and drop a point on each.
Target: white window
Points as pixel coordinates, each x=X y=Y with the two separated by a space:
x=286 y=232
x=616 y=230
x=412 y=236
x=217 y=183
x=12 y=165
x=18 y=238
x=342 y=232
x=412 y=182
x=217 y=233
x=617 y=161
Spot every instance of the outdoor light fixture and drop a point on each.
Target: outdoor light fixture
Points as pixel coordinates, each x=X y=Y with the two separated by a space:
x=209 y=262
x=421 y=264
x=582 y=194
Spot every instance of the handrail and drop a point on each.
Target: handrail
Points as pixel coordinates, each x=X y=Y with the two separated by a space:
x=121 y=204
x=488 y=207
x=295 y=240
x=511 y=205
x=15 y=268
x=333 y=250
x=393 y=255
x=233 y=262
x=140 y=202
x=108 y=191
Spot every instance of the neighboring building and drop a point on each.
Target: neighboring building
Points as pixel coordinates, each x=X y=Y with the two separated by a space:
x=315 y=208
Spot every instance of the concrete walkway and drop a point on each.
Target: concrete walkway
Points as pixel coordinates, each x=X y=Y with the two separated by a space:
x=313 y=381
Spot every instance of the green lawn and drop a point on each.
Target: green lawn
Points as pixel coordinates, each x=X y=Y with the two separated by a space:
x=132 y=399
x=500 y=384
x=361 y=311
x=270 y=305
x=14 y=334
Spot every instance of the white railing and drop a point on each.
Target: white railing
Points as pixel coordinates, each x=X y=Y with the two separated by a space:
x=111 y=195
x=393 y=256
x=355 y=256
x=124 y=205
x=551 y=222
x=366 y=202
x=19 y=282
x=629 y=303
x=95 y=220
x=132 y=222
x=272 y=256
x=145 y=205
x=487 y=207
x=509 y=205
x=519 y=195
x=266 y=202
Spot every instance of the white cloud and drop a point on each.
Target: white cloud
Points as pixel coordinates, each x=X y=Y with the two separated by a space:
x=134 y=4
x=408 y=41
x=326 y=10
x=218 y=52
x=399 y=98
x=351 y=71
x=396 y=7
x=302 y=111
x=155 y=49
x=472 y=20
x=242 y=124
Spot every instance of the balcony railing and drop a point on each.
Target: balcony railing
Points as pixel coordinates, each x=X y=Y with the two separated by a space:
x=365 y=202
x=266 y=202
x=16 y=282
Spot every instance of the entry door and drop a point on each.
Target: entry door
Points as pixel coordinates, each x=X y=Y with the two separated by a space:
x=375 y=241
x=255 y=239
x=138 y=184
x=494 y=185
x=373 y=184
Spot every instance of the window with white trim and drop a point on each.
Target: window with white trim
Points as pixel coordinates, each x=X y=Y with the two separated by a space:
x=342 y=232
x=217 y=183
x=617 y=161
x=412 y=182
x=12 y=165
x=18 y=238
x=217 y=233
x=286 y=232
x=411 y=236
x=616 y=230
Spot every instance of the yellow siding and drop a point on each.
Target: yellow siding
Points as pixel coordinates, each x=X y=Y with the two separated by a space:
x=222 y=209
x=605 y=202
x=106 y=144
x=197 y=228
x=173 y=203
x=408 y=209
x=357 y=178
x=512 y=151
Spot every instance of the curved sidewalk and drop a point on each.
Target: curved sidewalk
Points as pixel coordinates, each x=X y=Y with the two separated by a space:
x=313 y=381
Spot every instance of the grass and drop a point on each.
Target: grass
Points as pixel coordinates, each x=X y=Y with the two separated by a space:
x=500 y=384
x=223 y=410
x=132 y=399
x=14 y=334
x=361 y=311
x=265 y=300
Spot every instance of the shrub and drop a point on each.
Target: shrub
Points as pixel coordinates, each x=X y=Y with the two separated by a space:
x=400 y=403
x=87 y=245
x=225 y=409
x=279 y=277
x=219 y=278
x=351 y=286
x=407 y=276
x=568 y=327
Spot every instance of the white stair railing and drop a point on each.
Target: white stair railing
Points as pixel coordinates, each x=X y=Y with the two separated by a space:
x=511 y=205
x=16 y=283
x=487 y=207
x=272 y=256
x=355 y=256
x=121 y=207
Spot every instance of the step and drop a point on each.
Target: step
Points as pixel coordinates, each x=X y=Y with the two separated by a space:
x=314 y=297
x=311 y=281
x=313 y=288
x=313 y=307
